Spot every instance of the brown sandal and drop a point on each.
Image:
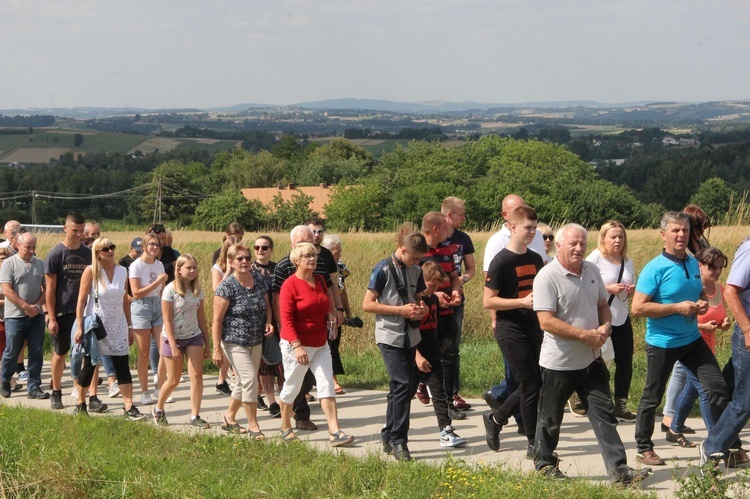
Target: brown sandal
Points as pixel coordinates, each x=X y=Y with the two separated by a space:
x=679 y=439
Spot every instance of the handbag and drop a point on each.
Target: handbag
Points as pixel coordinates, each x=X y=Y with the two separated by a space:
x=99 y=331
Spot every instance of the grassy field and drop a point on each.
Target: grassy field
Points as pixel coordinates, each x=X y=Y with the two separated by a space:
x=212 y=146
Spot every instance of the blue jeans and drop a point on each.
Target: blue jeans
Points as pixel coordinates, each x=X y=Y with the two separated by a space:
x=692 y=391
x=725 y=433
x=403 y=378
x=675 y=387
x=109 y=366
x=153 y=355
x=18 y=330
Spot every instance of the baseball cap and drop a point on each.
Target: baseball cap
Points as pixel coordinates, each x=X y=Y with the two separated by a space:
x=136 y=244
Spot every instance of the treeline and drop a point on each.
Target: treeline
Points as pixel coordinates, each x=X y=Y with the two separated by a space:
x=424 y=133
x=26 y=121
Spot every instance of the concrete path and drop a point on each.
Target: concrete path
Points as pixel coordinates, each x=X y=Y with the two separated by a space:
x=362 y=414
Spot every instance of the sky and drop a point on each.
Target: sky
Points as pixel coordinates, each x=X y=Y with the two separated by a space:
x=200 y=53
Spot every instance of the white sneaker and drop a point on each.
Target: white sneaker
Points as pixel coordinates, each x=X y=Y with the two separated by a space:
x=147 y=399
x=74 y=393
x=114 y=391
x=448 y=438
x=170 y=399
x=156 y=378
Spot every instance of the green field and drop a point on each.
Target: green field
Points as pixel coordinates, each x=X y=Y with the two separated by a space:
x=220 y=145
x=9 y=141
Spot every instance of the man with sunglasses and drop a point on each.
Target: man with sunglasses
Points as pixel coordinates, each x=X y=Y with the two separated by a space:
x=670 y=295
x=331 y=265
x=63 y=268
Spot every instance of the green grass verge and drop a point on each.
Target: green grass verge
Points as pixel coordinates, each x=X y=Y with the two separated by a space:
x=43 y=454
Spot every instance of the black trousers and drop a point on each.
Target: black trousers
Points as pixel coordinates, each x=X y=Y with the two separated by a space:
x=447 y=333
x=403 y=375
x=300 y=405
x=622 y=341
x=429 y=348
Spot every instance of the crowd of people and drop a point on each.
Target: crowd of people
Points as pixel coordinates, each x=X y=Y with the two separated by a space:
x=559 y=317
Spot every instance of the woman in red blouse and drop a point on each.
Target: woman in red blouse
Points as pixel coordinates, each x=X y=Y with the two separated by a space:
x=306 y=311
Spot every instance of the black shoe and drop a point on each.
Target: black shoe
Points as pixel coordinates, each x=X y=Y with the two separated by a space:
x=491 y=431
x=96 y=405
x=37 y=394
x=274 y=410
x=223 y=388
x=686 y=430
x=553 y=472
x=633 y=477
x=80 y=410
x=401 y=452
x=387 y=447
x=133 y=414
x=521 y=430
x=5 y=390
x=679 y=439
x=530 y=453
x=455 y=414
x=56 y=400
x=491 y=400
x=262 y=404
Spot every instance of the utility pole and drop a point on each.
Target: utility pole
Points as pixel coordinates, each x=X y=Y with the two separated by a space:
x=157 y=203
x=33 y=207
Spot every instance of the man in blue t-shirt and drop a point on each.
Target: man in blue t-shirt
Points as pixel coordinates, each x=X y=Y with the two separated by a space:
x=670 y=295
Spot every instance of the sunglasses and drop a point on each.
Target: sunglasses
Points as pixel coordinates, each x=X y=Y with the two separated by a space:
x=157 y=229
x=548 y=238
x=108 y=248
x=261 y=248
x=318 y=231
x=242 y=259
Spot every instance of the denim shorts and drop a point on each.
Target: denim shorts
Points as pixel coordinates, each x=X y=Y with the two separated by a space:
x=146 y=312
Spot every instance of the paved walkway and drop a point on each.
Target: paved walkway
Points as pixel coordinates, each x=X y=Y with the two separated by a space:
x=362 y=413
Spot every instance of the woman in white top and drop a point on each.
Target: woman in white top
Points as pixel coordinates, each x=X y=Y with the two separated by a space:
x=105 y=282
x=147 y=279
x=618 y=274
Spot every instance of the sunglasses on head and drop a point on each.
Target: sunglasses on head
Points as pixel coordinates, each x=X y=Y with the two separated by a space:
x=261 y=248
x=157 y=229
x=108 y=248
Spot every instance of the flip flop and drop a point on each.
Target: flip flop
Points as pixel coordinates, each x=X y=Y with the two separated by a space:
x=233 y=427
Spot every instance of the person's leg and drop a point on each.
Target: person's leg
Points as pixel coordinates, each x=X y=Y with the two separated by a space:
x=195 y=372
x=14 y=338
x=293 y=385
x=154 y=356
x=160 y=366
x=659 y=362
x=685 y=403
x=143 y=343
x=35 y=340
x=446 y=332
x=595 y=389
x=458 y=314
x=557 y=387
x=699 y=360
x=60 y=348
x=124 y=378
x=84 y=379
x=728 y=373
x=430 y=350
x=300 y=405
x=622 y=342
x=174 y=370
x=675 y=386
x=401 y=367
x=523 y=354
x=322 y=368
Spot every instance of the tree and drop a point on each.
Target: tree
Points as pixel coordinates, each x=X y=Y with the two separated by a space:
x=357 y=206
x=78 y=139
x=216 y=212
x=715 y=197
x=286 y=214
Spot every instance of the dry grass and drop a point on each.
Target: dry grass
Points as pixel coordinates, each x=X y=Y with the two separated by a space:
x=163 y=144
x=35 y=154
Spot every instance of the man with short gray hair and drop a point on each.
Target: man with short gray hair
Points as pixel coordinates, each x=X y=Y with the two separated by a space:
x=11 y=231
x=571 y=303
x=22 y=279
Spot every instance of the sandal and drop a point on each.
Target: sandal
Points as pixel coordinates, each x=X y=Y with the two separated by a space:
x=339 y=439
x=288 y=436
x=233 y=427
x=255 y=435
x=338 y=390
x=679 y=439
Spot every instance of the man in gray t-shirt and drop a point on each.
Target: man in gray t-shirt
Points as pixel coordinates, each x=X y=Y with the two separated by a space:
x=571 y=303
x=22 y=279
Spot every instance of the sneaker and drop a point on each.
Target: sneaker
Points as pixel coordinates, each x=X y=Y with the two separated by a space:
x=147 y=399
x=401 y=452
x=491 y=431
x=633 y=477
x=16 y=388
x=262 y=404
x=160 y=417
x=156 y=378
x=576 y=406
x=553 y=472
x=37 y=394
x=169 y=400
x=96 y=405
x=114 y=390
x=56 y=400
x=5 y=390
x=133 y=414
x=198 y=422
x=422 y=393
x=80 y=410
x=223 y=388
x=530 y=452
x=737 y=459
x=274 y=410
x=460 y=403
x=23 y=376
x=622 y=413
x=494 y=403
x=74 y=393
x=708 y=463
x=455 y=414
x=448 y=438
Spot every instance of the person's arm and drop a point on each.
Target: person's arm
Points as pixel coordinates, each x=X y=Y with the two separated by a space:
x=734 y=303
x=126 y=299
x=551 y=324
x=216 y=278
x=339 y=312
x=345 y=302
x=373 y=306
x=29 y=309
x=221 y=305
x=269 y=316
x=492 y=301
x=643 y=307
x=167 y=312
x=140 y=292
x=51 y=299
x=470 y=267
x=605 y=314
x=83 y=296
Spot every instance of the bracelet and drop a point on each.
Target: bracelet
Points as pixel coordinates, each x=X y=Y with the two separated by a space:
x=298 y=346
